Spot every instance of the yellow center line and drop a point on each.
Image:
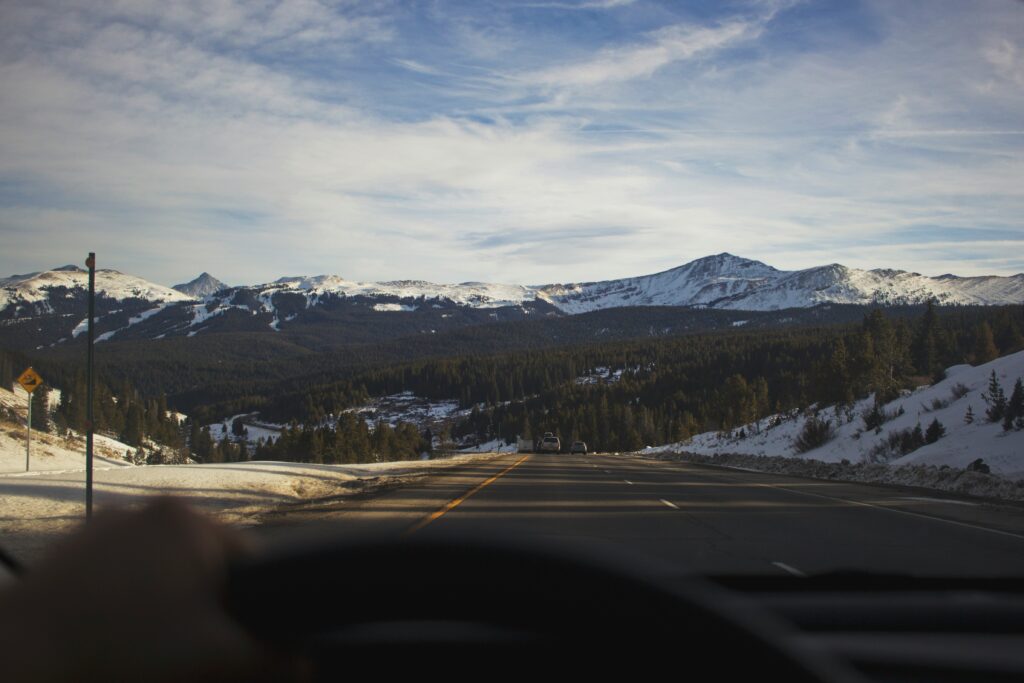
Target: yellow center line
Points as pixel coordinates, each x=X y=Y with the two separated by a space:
x=451 y=505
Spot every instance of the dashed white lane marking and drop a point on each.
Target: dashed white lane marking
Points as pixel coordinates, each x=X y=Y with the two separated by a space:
x=791 y=570
x=671 y=505
x=1000 y=532
x=628 y=481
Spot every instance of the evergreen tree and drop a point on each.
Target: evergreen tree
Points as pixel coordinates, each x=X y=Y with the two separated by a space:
x=996 y=400
x=1014 y=407
x=984 y=344
x=935 y=431
x=925 y=349
x=969 y=416
x=134 y=430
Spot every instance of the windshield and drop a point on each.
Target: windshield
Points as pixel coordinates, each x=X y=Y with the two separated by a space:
x=718 y=288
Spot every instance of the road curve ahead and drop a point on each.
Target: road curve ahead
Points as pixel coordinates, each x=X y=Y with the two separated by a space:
x=694 y=518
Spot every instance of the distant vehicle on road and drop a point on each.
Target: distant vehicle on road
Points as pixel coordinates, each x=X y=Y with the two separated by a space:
x=578 y=447
x=550 y=444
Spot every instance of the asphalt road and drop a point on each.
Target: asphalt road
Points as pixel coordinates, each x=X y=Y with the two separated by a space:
x=680 y=517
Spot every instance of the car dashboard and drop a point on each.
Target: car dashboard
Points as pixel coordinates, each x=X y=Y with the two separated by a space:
x=900 y=629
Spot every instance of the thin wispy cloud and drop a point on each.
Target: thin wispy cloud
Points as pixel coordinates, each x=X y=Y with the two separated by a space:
x=663 y=47
x=582 y=5
x=497 y=141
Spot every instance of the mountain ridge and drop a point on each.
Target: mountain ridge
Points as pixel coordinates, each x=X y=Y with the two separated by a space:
x=133 y=307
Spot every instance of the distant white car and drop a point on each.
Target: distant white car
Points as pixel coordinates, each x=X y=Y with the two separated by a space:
x=550 y=444
x=578 y=447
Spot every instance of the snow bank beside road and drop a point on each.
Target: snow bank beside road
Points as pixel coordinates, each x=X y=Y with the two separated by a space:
x=35 y=508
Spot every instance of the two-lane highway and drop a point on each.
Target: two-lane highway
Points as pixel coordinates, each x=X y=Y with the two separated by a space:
x=695 y=518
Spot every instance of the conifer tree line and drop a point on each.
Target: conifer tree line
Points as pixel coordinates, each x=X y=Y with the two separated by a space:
x=672 y=388
x=668 y=388
x=1008 y=411
x=122 y=413
x=347 y=441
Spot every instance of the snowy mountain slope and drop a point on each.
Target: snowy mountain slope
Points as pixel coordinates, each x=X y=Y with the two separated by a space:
x=701 y=282
x=201 y=287
x=37 y=293
x=727 y=281
x=836 y=283
x=946 y=401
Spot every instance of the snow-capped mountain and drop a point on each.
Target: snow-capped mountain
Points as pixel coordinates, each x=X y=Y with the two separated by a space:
x=130 y=307
x=703 y=282
x=201 y=287
x=52 y=291
x=727 y=281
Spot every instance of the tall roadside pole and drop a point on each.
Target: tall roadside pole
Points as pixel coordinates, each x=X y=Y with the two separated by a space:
x=29 y=380
x=89 y=372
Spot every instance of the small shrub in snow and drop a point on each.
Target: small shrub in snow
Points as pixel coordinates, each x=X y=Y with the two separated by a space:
x=876 y=416
x=969 y=415
x=958 y=391
x=899 y=442
x=979 y=466
x=816 y=432
x=939 y=404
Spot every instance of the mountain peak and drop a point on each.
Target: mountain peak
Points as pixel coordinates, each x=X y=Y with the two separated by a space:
x=202 y=286
x=726 y=265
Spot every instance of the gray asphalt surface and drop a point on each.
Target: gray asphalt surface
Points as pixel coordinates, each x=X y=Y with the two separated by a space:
x=681 y=517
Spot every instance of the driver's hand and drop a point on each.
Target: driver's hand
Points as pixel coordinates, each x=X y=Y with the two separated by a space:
x=133 y=596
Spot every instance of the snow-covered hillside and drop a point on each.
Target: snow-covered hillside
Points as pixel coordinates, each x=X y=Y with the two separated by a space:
x=701 y=282
x=50 y=453
x=947 y=402
x=40 y=288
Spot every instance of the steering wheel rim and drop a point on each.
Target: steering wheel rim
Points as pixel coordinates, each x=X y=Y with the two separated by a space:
x=426 y=600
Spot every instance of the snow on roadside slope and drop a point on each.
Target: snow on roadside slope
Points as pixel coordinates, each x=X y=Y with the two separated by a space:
x=49 y=452
x=963 y=443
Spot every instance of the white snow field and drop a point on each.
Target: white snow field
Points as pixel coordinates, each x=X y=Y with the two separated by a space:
x=758 y=445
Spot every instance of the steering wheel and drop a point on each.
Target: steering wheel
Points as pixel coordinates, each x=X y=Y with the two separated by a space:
x=413 y=604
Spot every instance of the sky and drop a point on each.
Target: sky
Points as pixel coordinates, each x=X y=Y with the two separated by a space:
x=528 y=142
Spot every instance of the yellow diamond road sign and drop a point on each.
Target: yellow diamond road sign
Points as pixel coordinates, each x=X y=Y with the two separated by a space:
x=29 y=380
